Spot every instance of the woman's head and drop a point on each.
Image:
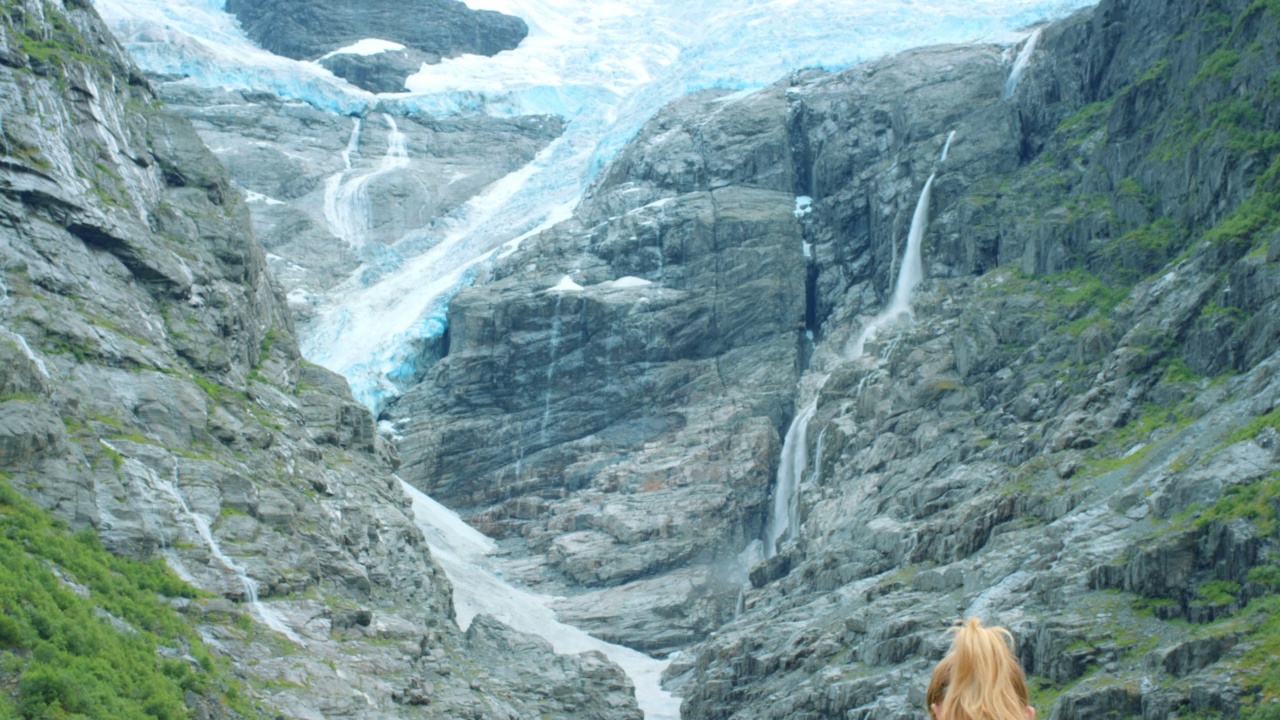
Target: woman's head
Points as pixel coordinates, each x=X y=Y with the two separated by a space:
x=979 y=679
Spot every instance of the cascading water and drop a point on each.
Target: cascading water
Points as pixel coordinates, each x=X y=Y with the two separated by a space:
x=566 y=284
x=22 y=342
x=477 y=588
x=606 y=68
x=785 y=518
x=1020 y=64
x=347 y=209
x=946 y=147
x=909 y=275
x=169 y=487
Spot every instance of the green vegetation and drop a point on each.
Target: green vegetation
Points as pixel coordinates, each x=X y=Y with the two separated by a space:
x=215 y=391
x=1086 y=117
x=1259 y=664
x=82 y=631
x=1250 y=431
x=1255 y=218
x=264 y=347
x=116 y=459
x=1252 y=502
x=56 y=43
x=67 y=345
x=1084 y=288
x=1218 y=592
x=1218 y=65
x=1155 y=72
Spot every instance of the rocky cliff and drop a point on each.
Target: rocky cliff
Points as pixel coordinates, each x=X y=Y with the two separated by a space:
x=427 y=30
x=1074 y=434
x=1073 y=431
x=151 y=390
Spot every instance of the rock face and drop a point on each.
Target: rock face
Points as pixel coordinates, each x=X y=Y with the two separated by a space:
x=626 y=422
x=1066 y=438
x=633 y=426
x=429 y=30
x=1057 y=442
x=151 y=390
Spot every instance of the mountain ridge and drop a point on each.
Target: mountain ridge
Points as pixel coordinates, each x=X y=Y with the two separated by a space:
x=1076 y=436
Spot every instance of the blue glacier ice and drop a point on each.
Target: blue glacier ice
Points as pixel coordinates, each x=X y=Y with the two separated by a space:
x=605 y=66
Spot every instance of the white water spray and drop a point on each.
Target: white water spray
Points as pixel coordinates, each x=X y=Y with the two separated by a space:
x=477 y=588
x=1020 y=64
x=784 y=521
x=566 y=285
x=909 y=275
x=347 y=209
x=947 y=146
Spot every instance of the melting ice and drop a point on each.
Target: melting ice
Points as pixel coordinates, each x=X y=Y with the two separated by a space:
x=605 y=66
x=477 y=588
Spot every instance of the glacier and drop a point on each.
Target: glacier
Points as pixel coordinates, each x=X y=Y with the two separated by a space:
x=604 y=66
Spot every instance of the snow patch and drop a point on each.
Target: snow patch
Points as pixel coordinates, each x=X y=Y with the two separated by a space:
x=566 y=284
x=365 y=48
x=257 y=197
x=478 y=587
x=627 y=282
x=804 y=206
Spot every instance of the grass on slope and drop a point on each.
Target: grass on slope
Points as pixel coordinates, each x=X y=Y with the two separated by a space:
x=87 y=634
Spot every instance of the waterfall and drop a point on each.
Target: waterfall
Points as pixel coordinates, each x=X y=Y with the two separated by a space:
x=912 y=270
x=909 y=275
x=947 y=146
x=267 y=616
x=347 y=209
x=478 y=588
x=785 y=518
x=1020 y=64
x=816 y=478
x=22 y=342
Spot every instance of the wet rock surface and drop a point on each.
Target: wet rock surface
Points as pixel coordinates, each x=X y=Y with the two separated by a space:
x=1073 y=434
x=625 y=421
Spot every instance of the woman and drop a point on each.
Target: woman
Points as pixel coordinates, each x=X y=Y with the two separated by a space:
x=979 y=679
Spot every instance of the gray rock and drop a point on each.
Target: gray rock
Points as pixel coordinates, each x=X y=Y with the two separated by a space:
x=303 y=30
x=384 y=72
x=151 y=389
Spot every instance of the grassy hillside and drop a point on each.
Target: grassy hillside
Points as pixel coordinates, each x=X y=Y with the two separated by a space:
x=87 y=634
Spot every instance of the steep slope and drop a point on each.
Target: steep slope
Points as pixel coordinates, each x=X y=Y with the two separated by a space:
x=1076 y=437
x=151 y=391
x=1070 y=436
x=612 y=394
x=91 y=633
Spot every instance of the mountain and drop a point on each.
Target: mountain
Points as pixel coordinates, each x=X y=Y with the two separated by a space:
x=154 y=398
x=810 y=372
x=1074 y=434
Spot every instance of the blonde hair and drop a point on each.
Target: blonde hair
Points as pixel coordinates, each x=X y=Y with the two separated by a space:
x=979 y=679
